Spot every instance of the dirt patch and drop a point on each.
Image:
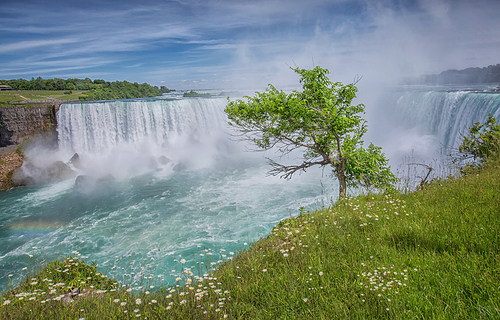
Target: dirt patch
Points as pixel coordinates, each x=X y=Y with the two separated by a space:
x=9 y=161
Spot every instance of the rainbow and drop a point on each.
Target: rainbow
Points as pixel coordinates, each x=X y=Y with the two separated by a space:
x=33 y=227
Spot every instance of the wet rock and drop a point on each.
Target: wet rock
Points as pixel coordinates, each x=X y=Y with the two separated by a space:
x=106 y=179
x=83 y=183
x=58 y=171
x=20 y=178
x=164 y=160
x=181 y=166
x=29 y=174
x=153 y=164
x=9 y=162
x=75 y=161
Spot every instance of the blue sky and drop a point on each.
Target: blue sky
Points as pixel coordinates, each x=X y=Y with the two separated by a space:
x=188 y=44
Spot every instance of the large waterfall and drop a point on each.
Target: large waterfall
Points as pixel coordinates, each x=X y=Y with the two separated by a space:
x=443 y=112
x=164 y=180
x=421 y=124
x=128 y=137
x=104 y=125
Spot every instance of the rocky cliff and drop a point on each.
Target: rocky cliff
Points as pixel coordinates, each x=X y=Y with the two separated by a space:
x=17 y=123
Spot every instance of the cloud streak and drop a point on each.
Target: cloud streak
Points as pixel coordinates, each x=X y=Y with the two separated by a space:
x=246 y=43
x=27 y=45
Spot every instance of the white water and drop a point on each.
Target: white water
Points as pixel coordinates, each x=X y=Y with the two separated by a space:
x=429 y=122
x=127 y=137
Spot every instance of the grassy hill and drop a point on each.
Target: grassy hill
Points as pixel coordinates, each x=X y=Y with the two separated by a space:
x=431 y=254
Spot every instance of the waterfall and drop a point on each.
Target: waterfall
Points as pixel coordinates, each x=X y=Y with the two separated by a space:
x=98 y=127
x=445 y=114
x=127 y=138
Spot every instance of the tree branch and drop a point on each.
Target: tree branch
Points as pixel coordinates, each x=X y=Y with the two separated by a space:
x=288 y=171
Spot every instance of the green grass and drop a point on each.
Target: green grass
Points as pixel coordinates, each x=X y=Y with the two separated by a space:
x=9 y=96
x=18 y=96
x=431 y=254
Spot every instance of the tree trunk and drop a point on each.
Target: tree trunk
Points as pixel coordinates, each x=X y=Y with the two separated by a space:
x=340 y=168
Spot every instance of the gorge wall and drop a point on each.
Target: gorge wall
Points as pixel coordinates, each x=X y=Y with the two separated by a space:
x=19 y=122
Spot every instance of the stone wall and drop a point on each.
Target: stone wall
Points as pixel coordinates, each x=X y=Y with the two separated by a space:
x=17 y=123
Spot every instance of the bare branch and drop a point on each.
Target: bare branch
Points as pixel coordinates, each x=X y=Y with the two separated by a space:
x=429 y=170
x=287 y=171
x=357 y=79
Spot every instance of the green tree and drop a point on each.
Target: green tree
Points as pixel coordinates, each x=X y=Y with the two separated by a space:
x=164 y=89
x=321 y=121
x=69 y=86
x=482 y=143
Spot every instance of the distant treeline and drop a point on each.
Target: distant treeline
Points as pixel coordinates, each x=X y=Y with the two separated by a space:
x=490 y=74
x=97 y=89
x=194 y=94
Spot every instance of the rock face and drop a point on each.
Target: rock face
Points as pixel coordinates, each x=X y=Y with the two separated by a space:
x=17 y=123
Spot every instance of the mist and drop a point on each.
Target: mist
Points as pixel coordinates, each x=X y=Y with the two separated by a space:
x=387 y=43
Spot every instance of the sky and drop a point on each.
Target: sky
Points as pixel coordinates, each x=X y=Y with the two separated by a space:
x=191 y=44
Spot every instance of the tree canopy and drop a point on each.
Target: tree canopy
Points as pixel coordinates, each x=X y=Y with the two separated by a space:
x=321 y=121
x=482 y=142
x=96 y=90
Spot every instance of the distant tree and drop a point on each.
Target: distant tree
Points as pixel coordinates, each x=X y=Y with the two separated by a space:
x=81 y=85
x=321 y=121
x=194 y=94
x=38 y=84
x=165 y=89
x=70 y=86
x=119 y=90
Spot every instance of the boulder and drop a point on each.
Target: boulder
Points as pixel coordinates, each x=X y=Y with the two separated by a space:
x=164 y=160
x=29 y=174
x=152 y=164
x=58 y=171
x=181 y=166
x=106 y=179
x=75 y=161
x=20 y=178
x=82 y=182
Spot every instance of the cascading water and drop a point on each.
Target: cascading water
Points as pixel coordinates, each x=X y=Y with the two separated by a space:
x=442 y=112
x=124 y=136
x=158 y=180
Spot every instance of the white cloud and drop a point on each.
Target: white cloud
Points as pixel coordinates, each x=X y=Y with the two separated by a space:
x=26 y=45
